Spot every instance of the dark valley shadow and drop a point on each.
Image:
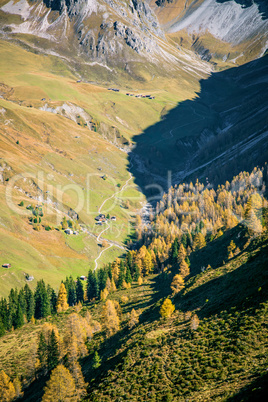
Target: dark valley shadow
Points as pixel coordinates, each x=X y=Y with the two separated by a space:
x=216 y=135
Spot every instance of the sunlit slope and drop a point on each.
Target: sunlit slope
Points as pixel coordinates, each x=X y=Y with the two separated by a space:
x=222 y=31
x=66 y=134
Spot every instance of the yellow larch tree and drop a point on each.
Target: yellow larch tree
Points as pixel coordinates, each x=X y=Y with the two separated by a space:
x=62 y=304
x=110 y=318
x=60 y=387
x=177 y=284
x=7 y=390
x=167 y=308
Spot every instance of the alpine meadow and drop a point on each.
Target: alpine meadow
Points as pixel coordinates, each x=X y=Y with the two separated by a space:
x=133 y=200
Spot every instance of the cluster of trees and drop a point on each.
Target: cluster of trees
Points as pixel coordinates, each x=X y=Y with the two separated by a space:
x=9 y=390
x=188 y=211
x=26 y=305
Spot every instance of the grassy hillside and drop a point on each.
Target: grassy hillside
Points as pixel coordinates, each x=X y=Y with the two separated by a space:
x=165 y=359
x=66 y=134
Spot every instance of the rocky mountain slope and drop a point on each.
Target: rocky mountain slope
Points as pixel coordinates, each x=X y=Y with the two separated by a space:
x=219 y=30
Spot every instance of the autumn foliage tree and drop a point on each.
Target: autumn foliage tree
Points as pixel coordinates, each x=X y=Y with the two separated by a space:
x=167 y=308
x=177 y=284
x=184 y=269
x=62 y=304
x=133 y=319
x=60 y=387
x=110 y=318
x=7 y=390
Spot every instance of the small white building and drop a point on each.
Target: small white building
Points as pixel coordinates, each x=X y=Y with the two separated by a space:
x=83 y=278
x=68 y=231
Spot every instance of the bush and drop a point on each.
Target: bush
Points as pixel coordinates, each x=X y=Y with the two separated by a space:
x=21 y=204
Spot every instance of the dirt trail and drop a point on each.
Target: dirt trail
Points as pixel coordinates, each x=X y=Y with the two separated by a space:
x=111 y=244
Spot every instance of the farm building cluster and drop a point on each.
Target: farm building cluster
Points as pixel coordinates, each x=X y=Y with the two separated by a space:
x=69 y=231
x=141 y=96
x=130 y=94
x=102 y=219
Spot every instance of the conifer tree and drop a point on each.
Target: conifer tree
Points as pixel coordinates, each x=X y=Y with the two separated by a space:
x=128 y=278
x=42 y=349
x=52 y=299
x=140 y=281
x=177 y=284
x=136 y=272
x=92 y=286
x=110 y=318
x=71 y=291
x=121 y=276
x=174 y=252
x=7 y=390
x=113 y=287
x=62 y=304
x=17 y=387
x=102 y=278
x=79 y=382
x=60 y=387
x=167 y=308
x=12 y=307
x=96 y=360
x=2 y=327
x=199 y=241
x=181 y=254
x=53 y=353
x=231 y=248
x=79 y=291
x=42 y=303
x=133 y=319
x=184 y=269
x=22 y=302
x=4 y=312
x=18 y=319
x=30 y=304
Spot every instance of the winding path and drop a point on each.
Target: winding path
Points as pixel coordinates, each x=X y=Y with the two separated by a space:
x=111 y=244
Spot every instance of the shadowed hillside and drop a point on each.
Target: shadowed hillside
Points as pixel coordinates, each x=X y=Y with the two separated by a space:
x=225 y=124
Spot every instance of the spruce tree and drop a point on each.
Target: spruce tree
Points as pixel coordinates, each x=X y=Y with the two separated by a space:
x=128 y=278
x=22 y=302
x=18 y=319
x=92 y=286
x=136 y=272
x=79 y=291
x=71 y=290
x=42 y=304
x=102 y=278
x=96 y=360
x=12 y=307
x=52 y=299
x=42 y=349
x=30 y=304
x=53 y=353
x=4 y=312
x=2 y=327
x=174 y=252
